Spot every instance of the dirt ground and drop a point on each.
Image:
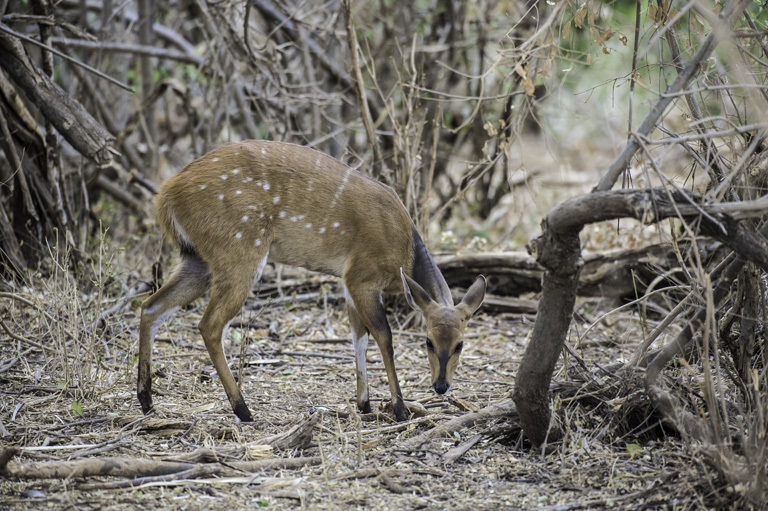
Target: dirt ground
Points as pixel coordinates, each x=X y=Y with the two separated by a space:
x=298 y=364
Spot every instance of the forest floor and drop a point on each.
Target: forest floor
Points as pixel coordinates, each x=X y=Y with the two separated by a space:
x=67 y=393
x=295 y=367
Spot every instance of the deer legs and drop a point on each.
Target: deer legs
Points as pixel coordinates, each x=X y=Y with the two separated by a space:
x=228 y=294
x=188 y=282
x=229 y=290
x=360 y=341
x=370 y=311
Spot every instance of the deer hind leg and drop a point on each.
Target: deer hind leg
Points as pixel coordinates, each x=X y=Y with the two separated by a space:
x=360 y=342
x=229 y=289
x=371 y=312
x=188 y=282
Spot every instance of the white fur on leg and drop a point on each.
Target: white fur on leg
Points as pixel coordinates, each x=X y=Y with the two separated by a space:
x=158 y=320
x=361 y=345
x=224 y=331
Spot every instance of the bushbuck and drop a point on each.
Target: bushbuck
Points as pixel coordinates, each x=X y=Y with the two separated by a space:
x=246 y=202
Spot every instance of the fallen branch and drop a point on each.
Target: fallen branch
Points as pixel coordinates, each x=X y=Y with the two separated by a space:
x=298 y=437
x=607 y=274
x=134 y=468
x=460 y=450
x=502 y=409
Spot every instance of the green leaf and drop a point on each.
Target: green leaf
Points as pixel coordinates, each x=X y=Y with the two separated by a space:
x=634 y=449
x=77 y=408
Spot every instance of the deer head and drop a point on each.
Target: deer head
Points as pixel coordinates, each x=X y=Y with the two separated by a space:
x=445 y=327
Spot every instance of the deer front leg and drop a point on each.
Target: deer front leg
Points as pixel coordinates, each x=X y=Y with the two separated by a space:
x=371 y=312
x=360 y=342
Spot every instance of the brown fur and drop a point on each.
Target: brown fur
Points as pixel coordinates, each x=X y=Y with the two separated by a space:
x=245 y=201
x=373 y=227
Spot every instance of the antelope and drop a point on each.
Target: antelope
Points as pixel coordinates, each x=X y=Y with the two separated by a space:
x=246 y=202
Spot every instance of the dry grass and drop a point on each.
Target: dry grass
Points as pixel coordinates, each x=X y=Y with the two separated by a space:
x=68 y=378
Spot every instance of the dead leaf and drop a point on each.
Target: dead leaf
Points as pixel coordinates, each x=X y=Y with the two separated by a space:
x=578 y=18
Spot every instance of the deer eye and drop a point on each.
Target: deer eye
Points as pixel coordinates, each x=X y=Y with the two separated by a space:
x=430 y=346
x=459 y=347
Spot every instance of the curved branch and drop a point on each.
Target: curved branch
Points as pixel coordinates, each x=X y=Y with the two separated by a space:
x=558 y=251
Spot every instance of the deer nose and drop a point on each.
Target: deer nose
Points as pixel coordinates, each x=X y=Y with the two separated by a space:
x=441 y=387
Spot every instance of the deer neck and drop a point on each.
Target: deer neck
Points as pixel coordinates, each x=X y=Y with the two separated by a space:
x=426 y=273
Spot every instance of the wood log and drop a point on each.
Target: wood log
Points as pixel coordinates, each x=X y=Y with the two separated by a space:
x=613 y=274
x=133 y=467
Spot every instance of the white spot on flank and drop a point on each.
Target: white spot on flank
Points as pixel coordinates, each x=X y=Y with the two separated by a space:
x=252 y=207
x=266 y=186
x=293 y=219
x=221 y=196
x=235 y=171
x=248 y=179
x=257 y=242
x=238 y=192
x=263 y=151
x=322 y=230
x=223 y=176
x=216 y=159
x=237 y=153
x=240 y=235
x=262 y=231
x=202 y=187
x=258 y=183
x=276 y=199
x=282 y=214
x=261 y=215
x=245 y=218
x=301 y=217
x=309 y=224
x=335 y=224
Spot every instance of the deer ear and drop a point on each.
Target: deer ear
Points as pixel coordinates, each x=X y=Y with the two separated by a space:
x=474 y=297
x=415 y=295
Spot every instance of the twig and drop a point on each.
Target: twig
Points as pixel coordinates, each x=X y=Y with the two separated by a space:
x=66 y=57
x=359 y=86
x=504 y=408
x=649 y=123
x=135 y=49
